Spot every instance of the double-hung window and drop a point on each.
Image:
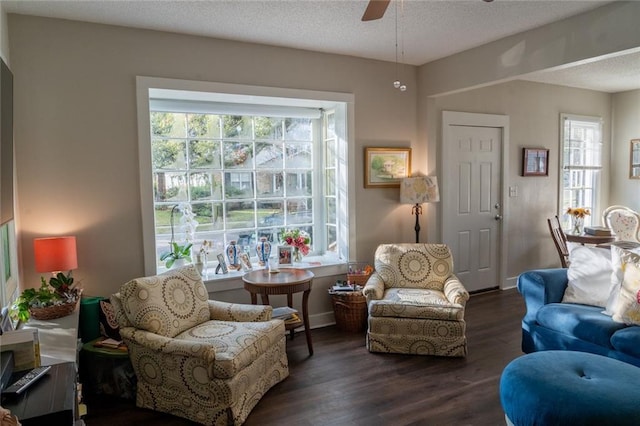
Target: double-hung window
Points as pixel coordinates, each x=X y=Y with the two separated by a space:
x=580 y=166
x=225 y=168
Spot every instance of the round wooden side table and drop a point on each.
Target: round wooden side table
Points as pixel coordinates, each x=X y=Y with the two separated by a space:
x=286 y=281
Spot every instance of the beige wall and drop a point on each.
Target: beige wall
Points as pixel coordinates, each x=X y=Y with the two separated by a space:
x=76 y=133
x=626 y=126
x=534 y=113
x=4 y=35
x=604 y=31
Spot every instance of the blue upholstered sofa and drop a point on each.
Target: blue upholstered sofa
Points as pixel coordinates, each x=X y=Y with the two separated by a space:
x=549 y=324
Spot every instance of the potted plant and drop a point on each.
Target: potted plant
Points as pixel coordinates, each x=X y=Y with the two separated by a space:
x=180 y=253
x=54 y=299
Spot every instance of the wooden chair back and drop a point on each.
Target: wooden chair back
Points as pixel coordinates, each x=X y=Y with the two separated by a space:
x=559 y=239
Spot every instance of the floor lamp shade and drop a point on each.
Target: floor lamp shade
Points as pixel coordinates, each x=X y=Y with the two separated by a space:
x=55 y=254
x=418 y=190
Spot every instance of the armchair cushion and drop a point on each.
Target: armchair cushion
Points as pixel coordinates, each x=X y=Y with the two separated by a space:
x=416 y=303
x=166 y=304
x=239 y=312
x=414 y=265
x=237 y=344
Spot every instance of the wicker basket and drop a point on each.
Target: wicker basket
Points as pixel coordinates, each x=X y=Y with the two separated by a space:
x=350 y=309
x=357 y=273
x=53 y=312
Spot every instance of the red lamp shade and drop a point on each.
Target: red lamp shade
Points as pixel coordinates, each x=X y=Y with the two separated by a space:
x=55 y=254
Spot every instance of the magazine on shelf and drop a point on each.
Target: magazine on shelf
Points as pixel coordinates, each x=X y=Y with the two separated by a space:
x=25 y=347
x=284 y=313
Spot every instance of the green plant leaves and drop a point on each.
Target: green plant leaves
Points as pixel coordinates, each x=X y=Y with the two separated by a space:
x=177 y=252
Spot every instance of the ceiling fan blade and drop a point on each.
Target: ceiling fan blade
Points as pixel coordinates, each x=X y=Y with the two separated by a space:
x=375 y=10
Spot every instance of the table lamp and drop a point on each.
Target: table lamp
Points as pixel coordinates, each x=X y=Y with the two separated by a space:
x=418 y=190
x=55 y=254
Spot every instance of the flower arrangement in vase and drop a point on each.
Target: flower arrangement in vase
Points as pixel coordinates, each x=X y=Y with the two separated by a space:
x=577 y=218
x=299 y=240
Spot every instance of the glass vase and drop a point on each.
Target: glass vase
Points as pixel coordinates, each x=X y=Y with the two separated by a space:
x=297 y=255
x=578 y=225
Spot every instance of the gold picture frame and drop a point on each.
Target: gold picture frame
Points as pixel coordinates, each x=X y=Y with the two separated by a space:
x=634 y=166
x=386 y=167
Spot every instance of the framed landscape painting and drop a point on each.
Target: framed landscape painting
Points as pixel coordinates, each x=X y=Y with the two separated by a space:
x=386 y=167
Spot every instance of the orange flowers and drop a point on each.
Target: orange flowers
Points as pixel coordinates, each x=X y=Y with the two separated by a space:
x=578 y=211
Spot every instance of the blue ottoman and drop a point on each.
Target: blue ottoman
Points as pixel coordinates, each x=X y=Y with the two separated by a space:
x=570 y=388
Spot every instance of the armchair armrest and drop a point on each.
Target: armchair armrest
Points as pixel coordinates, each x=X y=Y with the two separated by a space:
x=540 y=287
x=374 y=288
x=455 y=291
x=168 y=345
x=239 y=312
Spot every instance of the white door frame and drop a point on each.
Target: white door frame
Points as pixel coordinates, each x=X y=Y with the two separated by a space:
x=450 y=118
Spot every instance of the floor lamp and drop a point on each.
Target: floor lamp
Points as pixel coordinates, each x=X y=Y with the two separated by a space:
x=418 y=190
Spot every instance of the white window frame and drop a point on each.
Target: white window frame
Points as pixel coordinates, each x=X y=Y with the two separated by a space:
x=341 y=102
x=594 y=166
x=8 y=264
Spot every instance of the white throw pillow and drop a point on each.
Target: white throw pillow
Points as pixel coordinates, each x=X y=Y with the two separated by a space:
x=627 y=308
x=618 y=257
x=589 y=276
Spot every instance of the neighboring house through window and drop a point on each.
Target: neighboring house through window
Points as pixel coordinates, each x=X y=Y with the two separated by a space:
x=580 y=166
x=243 y=166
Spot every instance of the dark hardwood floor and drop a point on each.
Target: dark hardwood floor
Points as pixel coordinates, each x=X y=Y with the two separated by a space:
x=344 y=384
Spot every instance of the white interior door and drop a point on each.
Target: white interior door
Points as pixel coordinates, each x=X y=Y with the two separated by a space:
x=472 y=196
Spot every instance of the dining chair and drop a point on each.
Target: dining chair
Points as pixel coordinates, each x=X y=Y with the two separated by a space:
x=560 y=240
x=623 y=221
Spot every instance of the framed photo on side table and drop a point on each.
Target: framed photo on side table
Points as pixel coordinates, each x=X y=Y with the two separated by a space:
x=386 y=167
x=285 y=255
x=535 y=162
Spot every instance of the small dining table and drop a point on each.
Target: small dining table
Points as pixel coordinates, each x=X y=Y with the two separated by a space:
x=589 y=239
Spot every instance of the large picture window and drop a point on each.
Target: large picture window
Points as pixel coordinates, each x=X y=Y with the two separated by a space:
x=580 y=166
x=223 y=169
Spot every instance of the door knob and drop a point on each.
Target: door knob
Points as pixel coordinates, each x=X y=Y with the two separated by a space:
x=498 y=217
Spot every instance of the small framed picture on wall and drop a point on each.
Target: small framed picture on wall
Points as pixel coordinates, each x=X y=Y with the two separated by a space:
x=535 y=162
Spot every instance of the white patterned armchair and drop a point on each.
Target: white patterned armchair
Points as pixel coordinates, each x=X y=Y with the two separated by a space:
x=416 y=303
x=623 y=222
x=204 y=360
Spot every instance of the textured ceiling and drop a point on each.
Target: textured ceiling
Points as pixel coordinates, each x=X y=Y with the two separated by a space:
x=426 y=29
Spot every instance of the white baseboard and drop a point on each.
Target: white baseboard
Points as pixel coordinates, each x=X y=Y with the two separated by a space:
x=510 y=283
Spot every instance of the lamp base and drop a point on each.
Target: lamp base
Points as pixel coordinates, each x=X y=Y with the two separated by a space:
x=417 y=210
